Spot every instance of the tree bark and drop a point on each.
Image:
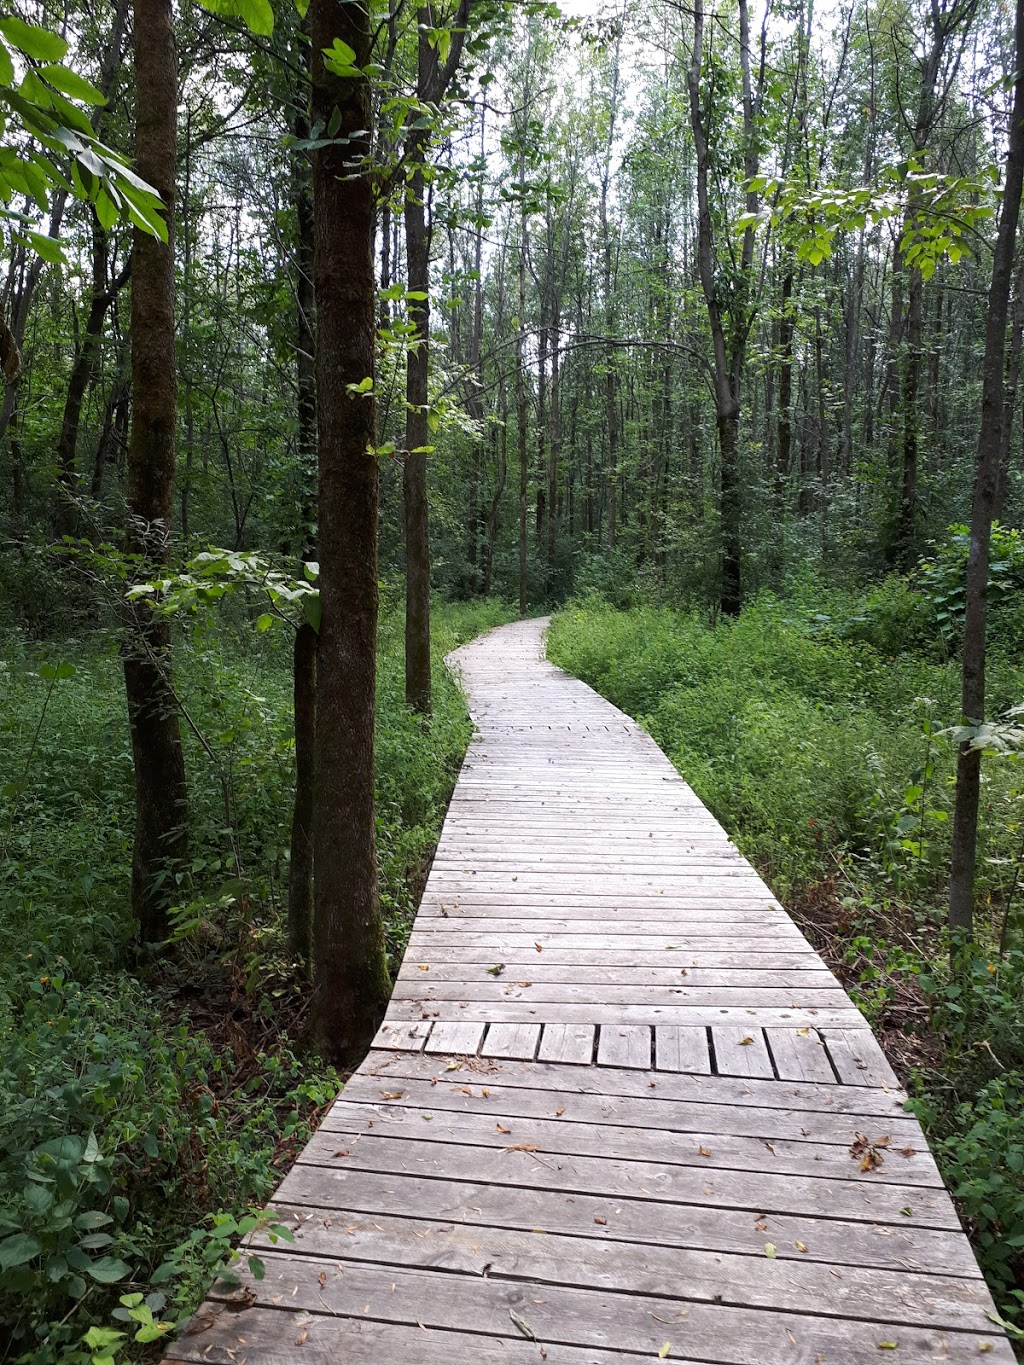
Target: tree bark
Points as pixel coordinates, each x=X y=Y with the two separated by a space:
x=350 y=974
x=300 y=868
x=968 y=772
x=161 y=802
x=414 y=471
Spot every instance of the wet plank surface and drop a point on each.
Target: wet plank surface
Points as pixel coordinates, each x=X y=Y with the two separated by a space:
x=619 y=1110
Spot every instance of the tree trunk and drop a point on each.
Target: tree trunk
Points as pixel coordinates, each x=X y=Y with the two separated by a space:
x=300 y=868
x=161 y=803
x=968 y=772
x=81 y=374
x=350 y=973
x=524 y=457
x=414 y=472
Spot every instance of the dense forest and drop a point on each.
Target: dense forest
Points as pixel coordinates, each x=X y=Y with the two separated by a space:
x=330 y=338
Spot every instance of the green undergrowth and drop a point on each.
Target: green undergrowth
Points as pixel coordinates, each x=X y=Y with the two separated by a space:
x=145 y=1107
x=813 y=729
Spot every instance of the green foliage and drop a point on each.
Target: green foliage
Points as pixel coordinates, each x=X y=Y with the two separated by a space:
x=40 y=100
x=133 y=1137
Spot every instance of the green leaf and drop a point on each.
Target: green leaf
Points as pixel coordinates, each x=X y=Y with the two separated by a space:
x=73 y=85
x=340 y=59
x=257 y=15
x=38 y=43
x=311 y=609
x=264 y=622
x=17 y=1249
x=108 y=1270
x=6 y=67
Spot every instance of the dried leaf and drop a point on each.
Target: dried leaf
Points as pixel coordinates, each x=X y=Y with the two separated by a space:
x=523 y=1326
x=801 y=1246
x=342 y=1152
x=523 y=1147
x=302 y=1338
x=422 y=967
x=539 y=947
x=391 y=1094
x=745 y=1041
x=502 y=1130
x=603 y=1222
x=704 y=1151
x=559 y=1111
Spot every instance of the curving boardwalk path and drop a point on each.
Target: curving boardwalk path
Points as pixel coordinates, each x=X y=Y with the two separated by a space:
x=619 y=1109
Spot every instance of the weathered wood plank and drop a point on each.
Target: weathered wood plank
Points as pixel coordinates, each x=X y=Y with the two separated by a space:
x=857 y=1058
x=624 y=1045
x=799 y=1055
x=511 y=1040
x=569 y=1043
x=681 y=1049
x=459 y=1037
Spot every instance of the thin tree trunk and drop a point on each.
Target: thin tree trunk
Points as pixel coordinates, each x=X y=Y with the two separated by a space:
x=300 y=867
x=968 y=772
x=350 y=973
x=414 y=472
x=161 y=803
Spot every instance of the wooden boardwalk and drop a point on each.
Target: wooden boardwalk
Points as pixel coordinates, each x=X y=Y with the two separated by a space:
x=619 y=1111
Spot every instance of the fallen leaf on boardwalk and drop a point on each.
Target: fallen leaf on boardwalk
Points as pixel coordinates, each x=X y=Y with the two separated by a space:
x=683 y=971
x=342 y=1152
x=745 y=1041
x=391 y=1094
x=523 y=1147
x=867 y=1152
x=539 y=947
x=908 y=1151
x=523 y=1326
x=664 y=1350
x=603 y=1222
x=770 y=1148
x=907 y=1211
x=769 y=1250
x=801 y=1246
x=463 y=1090
x=760 y=1226
x=502 y=1130
x=524 y=984
x=704 y=1151
x=790 y=1337
x=887 y=1345
x=559 y=1111
x=302 y=1338
x=802 y=1032
x=984 y=1346
x=497 y=969
x=321 y=1279
x=422 y=967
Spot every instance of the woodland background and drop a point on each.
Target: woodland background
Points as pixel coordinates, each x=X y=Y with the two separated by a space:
x=707 y=309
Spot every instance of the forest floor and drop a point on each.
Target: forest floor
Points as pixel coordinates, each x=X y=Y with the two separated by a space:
x=148 y=1108
x=817 y=733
